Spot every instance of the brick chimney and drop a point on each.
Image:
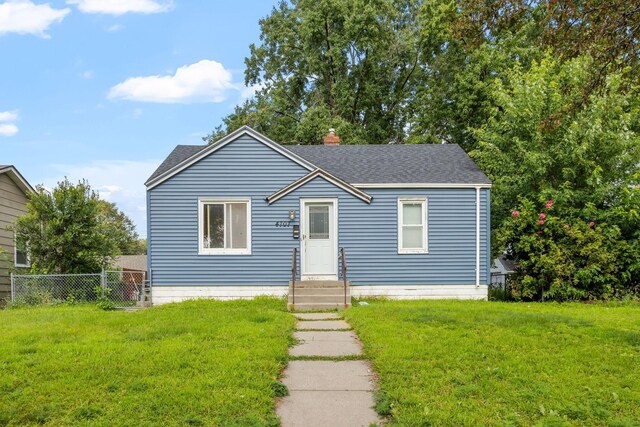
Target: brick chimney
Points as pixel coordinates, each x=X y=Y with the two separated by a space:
x=331 y=138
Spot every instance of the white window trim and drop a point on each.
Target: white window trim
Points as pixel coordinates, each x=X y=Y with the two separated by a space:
x=15 y=255
x=222 y=251
x=425 y=223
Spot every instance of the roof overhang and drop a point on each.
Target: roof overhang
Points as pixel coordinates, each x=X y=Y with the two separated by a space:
x=17 y=177
x=244 y=130
x=503 y=267
x=327 y=176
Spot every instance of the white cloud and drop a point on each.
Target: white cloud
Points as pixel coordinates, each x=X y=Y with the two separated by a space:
x=8 y=116
x=25 y=17
x=114 y=28
x=106 y=191
x=87 y=75
x=7 y=125
x=8 y=129
x=204 y=81
x=117 y=181
x=137 y=113
x=120 y=7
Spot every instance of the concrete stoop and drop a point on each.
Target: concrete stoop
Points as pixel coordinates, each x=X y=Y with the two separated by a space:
x=319 y=295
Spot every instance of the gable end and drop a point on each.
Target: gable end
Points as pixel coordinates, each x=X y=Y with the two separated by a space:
x=17 y=178
x=245 y=130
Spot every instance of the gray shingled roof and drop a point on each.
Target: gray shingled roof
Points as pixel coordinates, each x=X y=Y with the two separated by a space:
x=366 y=164
x=177 y=156
x=394 y=164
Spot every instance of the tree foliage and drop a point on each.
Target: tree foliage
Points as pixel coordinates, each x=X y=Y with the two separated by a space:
x=584 y=157
x=417 y=70
x=346 y=64
x=70 y=230
x=587 y=161
x=118 y=228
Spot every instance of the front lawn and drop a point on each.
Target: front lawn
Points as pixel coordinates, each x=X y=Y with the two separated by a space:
x=193 y=363
x=461 y=363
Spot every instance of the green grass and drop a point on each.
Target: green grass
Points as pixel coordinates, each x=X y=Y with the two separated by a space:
x=457 y=363
x=194 y=363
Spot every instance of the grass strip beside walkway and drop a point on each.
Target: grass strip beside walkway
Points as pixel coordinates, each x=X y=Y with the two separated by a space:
x=487 y=363
x=193 y=363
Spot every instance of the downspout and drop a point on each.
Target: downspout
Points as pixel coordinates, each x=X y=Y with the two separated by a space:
x=477 y=237
x=149 y=273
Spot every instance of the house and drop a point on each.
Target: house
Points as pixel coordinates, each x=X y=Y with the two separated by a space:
x=134 y=263
x=133 y=268
x=502 y=267
x=225 y=218
x=14 y=190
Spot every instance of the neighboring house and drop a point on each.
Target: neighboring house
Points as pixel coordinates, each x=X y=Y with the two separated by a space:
x=14 y=190
x=134 y=272
x=223 y=219
x=502 y=267
x=131 y=262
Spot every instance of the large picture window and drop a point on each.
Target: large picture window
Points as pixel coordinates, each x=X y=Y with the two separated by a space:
x=412 y=226
x=225 y=227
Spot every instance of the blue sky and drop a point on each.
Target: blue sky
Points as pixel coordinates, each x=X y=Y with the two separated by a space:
x=104 y=89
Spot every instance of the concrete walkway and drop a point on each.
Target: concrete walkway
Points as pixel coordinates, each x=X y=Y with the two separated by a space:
x=327 y=392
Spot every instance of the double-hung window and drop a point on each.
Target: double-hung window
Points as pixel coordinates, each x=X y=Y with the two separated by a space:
x=225 y=226
x=412 y=226
x=21 y=253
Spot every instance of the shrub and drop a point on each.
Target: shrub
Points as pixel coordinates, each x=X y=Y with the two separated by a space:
x=32 y=294
x=561 y=257
x=104 y=298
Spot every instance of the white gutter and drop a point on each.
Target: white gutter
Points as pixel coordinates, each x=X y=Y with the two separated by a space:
x=477 y=237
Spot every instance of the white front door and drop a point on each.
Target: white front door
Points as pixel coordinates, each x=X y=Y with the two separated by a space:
x=319 y=249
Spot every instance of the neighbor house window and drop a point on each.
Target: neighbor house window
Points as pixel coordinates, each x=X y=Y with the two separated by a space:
x=21 y=255
x=225 y=226
x=412 y=226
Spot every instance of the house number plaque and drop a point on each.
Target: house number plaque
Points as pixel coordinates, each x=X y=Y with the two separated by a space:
x=283 y=223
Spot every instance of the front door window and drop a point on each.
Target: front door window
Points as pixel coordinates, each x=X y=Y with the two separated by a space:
x=318 y=222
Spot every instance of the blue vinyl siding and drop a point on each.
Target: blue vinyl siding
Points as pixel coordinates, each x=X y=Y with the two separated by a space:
x=243 y=168
x=368 y=232
x=483 y=237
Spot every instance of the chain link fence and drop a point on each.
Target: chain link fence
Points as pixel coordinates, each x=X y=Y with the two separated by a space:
x=123 y=288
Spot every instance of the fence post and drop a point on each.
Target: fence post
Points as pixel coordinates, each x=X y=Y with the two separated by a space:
x=142 y=288
x=13 y=289
x=103 y=281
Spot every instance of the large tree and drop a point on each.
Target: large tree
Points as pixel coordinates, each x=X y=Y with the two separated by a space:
x=346 y=64
x=484 y=40
x=70 y=230
x=416 y=70
x=583 y=157
x=585 y=161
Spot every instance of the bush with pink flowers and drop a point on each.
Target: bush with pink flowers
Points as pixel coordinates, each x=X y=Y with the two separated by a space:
x=561 y=257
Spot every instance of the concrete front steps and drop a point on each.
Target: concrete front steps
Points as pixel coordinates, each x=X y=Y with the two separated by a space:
x=318 y=295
